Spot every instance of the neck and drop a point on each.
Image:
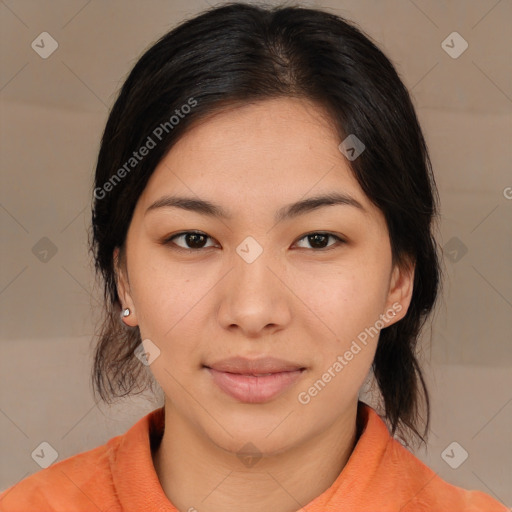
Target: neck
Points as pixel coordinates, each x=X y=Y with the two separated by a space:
x=197 y=474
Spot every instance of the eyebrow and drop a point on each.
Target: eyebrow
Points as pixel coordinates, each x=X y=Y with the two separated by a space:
x=287 y=212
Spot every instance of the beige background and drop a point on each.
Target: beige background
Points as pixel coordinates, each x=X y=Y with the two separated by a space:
x=52 y=114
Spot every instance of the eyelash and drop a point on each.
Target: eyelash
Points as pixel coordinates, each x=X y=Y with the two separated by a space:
x=169 y=241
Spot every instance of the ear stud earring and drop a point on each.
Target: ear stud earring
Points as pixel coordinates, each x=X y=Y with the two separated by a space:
x=126 y=312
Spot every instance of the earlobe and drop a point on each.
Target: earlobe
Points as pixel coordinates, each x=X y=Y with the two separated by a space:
x=128 y=315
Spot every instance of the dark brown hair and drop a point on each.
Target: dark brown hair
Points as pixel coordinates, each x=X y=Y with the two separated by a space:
x=240 y=53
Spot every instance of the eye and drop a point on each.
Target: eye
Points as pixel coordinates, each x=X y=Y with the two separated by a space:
x=193 y=239
x=319 y=239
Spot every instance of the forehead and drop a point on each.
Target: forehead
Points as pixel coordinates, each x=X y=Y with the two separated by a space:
x=269 y=151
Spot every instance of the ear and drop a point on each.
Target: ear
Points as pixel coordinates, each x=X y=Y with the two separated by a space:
x=400 y=291
x=123 y=290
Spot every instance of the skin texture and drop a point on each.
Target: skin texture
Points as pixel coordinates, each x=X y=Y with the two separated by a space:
x=296 y=301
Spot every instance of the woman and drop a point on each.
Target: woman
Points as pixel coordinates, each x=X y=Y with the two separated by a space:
x=262 y=220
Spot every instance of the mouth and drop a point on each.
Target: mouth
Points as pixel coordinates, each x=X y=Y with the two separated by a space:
x=254 y=385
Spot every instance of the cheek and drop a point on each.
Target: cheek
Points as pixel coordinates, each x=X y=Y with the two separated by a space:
x=167 y=306
x=345 y=300
x=165 y=295
x=346 y=308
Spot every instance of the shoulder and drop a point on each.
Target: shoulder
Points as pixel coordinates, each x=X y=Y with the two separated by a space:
x=103 y=478
x=81 y=482
x=424 y=489
x=386 y=471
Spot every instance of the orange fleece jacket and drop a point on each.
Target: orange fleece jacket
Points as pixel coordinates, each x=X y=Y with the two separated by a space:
x=380 y=475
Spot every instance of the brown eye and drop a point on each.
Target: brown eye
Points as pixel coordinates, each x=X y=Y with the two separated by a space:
x=193 y=240
x=318 y=240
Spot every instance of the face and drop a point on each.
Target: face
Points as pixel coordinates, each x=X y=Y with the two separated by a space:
x=311 y=286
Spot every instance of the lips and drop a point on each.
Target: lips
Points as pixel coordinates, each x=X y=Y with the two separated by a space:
x=260 y=366
x=254 y=380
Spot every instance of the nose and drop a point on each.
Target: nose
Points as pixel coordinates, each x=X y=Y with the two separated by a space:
x=254 y=297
